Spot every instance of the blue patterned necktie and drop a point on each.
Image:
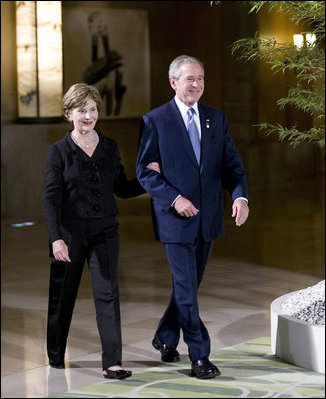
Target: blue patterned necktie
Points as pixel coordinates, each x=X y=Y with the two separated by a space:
x=193 y=133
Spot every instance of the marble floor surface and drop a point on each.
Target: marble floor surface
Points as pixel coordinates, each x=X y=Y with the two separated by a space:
x=279 y=250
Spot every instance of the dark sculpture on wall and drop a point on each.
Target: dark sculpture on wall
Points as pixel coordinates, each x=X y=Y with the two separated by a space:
x=102 y=67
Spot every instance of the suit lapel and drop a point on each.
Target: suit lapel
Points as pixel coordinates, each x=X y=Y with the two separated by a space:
x=206 y=129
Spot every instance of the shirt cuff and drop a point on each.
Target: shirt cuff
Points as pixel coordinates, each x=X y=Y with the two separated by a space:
x=241 y=198
x=175 y=200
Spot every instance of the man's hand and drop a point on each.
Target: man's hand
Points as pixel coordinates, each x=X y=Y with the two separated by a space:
x=185 y=207
x=240 y=211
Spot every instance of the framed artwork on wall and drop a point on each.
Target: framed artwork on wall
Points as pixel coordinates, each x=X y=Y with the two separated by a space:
x=109 y=48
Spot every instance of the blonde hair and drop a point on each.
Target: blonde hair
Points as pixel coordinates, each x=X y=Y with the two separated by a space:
x=78 y=95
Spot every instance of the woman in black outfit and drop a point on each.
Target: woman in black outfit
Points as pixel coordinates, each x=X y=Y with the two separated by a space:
x=83 y=172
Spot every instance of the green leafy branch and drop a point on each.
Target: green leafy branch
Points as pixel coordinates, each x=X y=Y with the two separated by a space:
x=307 y=64
x=293 y=135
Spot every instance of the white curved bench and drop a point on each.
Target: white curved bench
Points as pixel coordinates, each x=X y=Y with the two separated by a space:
x=296 y=341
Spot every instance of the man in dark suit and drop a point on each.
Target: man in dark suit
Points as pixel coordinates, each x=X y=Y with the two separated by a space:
x=197 y=160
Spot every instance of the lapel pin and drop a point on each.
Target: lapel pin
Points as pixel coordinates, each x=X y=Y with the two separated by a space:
x=207 y=123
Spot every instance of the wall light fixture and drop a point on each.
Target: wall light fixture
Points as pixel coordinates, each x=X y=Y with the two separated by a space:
x=307 y=39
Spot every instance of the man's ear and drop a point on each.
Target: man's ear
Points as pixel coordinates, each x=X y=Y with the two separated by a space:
x=172 y=83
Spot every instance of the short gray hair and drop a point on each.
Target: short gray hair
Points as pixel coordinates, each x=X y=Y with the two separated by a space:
x=175 y=66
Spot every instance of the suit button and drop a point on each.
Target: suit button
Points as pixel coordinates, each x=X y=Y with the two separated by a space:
x=93 y=165
x=96 y=208
x=97 y=194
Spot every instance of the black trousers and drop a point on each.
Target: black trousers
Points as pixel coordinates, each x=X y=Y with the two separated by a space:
x=96 y=241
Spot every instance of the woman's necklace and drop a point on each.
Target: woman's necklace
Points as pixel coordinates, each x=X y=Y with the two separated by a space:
x=80 y=144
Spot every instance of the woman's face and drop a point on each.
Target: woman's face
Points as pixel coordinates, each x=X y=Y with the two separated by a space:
x=85 y=118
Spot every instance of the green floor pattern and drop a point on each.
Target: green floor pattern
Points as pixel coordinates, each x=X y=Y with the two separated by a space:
x=248 y=370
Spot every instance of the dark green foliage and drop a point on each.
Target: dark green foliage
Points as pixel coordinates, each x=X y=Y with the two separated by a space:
x=307 y=64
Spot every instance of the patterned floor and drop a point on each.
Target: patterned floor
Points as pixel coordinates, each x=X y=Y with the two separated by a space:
x=248 y=370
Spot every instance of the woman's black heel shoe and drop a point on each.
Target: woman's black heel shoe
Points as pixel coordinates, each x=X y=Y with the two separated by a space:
x=57 y=364
x=117 y=374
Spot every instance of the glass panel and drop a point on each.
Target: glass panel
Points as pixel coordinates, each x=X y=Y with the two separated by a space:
x=49 y=37
x=26 y=59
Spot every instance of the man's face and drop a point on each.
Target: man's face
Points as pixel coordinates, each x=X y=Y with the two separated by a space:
x=190 y=86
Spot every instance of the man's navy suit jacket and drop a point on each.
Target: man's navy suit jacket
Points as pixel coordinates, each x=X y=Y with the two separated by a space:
x=164 y=139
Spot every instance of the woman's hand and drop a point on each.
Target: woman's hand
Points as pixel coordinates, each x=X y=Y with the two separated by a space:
x=60 y=251
x=154 y=166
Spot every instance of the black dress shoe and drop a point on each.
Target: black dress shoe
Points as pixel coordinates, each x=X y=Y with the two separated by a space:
x=117 y=374
x=203 y=369
x=169 y=354
x=57 y=364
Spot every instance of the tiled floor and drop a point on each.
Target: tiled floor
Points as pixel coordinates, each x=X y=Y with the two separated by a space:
x=279 y=250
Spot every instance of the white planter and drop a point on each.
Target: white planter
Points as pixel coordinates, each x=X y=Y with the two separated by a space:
x=296 y=341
